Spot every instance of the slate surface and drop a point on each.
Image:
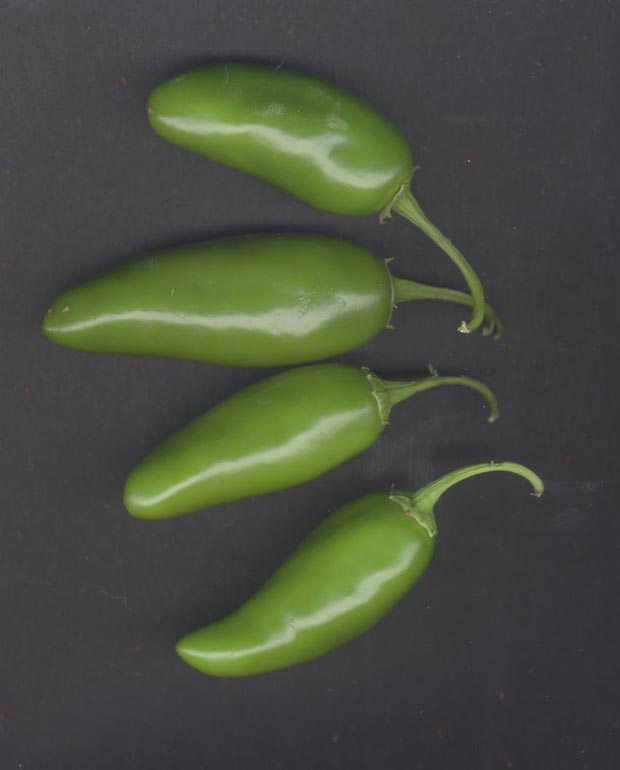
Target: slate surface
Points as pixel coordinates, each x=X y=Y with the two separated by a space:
x=505 y=655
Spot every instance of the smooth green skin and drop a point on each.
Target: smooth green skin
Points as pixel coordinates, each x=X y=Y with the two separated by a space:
x=256 y=300
x=299 y=133
x=306 y=136
x=277 y=433
x=342 y=580
x=268 y=300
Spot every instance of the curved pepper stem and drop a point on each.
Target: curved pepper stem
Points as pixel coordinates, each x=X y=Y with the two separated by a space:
x=388 y=393
x=406 y=291
x=407 y=206
x=420 y=505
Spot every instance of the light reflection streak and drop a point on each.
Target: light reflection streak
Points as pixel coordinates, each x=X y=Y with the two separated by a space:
x=290 y=322
x=318 y=148
x=297 y=446
x=362 y=594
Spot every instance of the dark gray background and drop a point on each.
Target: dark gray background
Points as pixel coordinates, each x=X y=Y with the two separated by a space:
x=505 y=655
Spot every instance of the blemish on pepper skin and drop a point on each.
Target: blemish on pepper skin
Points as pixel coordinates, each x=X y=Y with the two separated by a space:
x=150 y=111
x=66 y=309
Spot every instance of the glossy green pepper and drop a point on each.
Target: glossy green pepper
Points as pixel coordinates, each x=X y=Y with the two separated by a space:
x=261 y=300
x=304 y=135
x=274 y=434
x=345 y=577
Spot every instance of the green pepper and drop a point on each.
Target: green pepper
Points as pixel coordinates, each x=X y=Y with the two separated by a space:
x=274 y=434
x=262 y=300
x=304 y=135
x=345 y=577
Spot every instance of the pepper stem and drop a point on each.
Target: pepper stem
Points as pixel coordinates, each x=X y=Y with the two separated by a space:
x=406 y=290
x=407 y=206
x=420 y=505
x=388 y=393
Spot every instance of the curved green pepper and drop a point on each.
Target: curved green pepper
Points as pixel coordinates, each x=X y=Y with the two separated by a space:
x=304 y=135
x=263 y=300
x=345 y=577
x=275 y=434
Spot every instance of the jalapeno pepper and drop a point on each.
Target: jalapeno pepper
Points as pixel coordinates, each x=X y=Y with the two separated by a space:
x=345 y=577
x=304 y=135
x=262 y=300
x=274 y=434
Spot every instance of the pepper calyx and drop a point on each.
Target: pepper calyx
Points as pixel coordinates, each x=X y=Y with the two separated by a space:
x=386 y=211
x=380 y=394
x=423 y=514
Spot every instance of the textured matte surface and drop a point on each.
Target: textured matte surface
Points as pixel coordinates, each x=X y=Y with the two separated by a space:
x=505 y=655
